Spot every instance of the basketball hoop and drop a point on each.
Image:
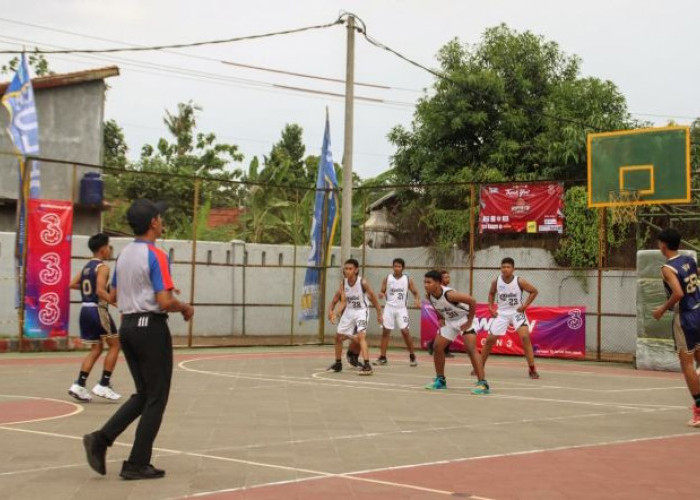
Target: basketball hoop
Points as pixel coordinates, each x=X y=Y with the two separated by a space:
x=623 y=209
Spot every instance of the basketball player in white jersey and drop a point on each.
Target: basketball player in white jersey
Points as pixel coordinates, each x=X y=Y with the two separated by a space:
x=457 y=309
x=395 y=288
x=508 y=309
x=354 y=292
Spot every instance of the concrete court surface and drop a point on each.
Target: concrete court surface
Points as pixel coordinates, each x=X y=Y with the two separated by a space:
x=271 y=423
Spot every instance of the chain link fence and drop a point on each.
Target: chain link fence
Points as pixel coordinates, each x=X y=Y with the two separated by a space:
x=239 y=250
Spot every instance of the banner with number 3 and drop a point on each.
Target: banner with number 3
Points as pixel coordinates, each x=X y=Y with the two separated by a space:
x=47 y=295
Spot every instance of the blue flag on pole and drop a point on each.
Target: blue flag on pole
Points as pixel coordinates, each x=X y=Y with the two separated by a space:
x=24 y=130
x=320 y=251
x=24 y=124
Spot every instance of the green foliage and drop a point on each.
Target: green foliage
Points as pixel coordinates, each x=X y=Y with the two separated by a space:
x=166 y=171
x=36 y=61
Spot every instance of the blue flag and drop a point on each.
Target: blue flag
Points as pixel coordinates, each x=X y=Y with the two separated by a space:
x=24 y=124
x=320 y=250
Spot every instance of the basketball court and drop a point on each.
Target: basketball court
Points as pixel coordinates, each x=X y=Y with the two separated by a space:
x=272 y=423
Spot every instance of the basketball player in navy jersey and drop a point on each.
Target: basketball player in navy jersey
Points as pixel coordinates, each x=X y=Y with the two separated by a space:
x=96 y=325
x=680 y=275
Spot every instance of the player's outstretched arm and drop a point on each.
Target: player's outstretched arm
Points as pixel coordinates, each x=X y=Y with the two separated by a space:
x=373 y=299
x=414 y=291
x=531 y=293
x=75 y=282
x=492 y=298
x=382 y=291
x=465 y=298
x=676 y=293
x=336 y=298
x=101 y=285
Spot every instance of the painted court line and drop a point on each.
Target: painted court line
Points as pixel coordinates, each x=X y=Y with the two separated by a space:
x=397 y=388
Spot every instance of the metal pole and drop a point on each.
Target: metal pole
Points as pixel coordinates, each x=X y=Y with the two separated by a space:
x=471 y=238
x=74 y=187
x=193 y=260
x=364 y=235
x=22 y=204
x=294 y=267
x=322 y=269
x=602 y=249
x=346 y=213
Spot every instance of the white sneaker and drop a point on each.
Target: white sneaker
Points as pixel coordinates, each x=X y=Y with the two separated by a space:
x=105 y=392
x=80 y=393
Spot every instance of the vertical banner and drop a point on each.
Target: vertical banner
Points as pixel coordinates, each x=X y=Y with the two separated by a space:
x=320 y=250
x=519 y=208
x=47 y=296
x=556 y=332
x=24 y=130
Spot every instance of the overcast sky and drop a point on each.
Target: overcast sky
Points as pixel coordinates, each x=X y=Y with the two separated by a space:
x=648 y=48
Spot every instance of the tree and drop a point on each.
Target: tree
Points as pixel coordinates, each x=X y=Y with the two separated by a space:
x=514 y=106
x=166 y=171
x=288 y=153
x=114 y=145
x=36 y=61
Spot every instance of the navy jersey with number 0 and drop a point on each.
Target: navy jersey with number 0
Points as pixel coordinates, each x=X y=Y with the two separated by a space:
x=686 y=270
x=88 y=281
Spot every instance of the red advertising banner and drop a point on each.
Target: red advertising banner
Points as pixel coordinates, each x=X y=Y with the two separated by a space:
x=519 y=208
x=47 y=294
x=555 y=332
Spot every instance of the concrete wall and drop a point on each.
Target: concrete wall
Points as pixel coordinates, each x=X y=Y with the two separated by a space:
x=70 y=128
x=267 y=290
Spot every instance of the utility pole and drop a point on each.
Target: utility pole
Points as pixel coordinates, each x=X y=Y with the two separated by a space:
x=346 y=209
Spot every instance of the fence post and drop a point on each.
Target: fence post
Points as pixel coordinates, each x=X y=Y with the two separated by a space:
x=193 y=260
x=602 y=253
x=472 y=207
x=22 y=278
x=294 y=266
x=322 y=269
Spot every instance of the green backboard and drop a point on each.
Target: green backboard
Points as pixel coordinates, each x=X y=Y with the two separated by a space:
x=653 y=163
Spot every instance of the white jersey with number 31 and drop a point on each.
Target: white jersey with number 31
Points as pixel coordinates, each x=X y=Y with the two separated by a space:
x=396 y=291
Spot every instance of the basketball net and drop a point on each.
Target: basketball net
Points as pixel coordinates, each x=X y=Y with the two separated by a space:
x=624 y=211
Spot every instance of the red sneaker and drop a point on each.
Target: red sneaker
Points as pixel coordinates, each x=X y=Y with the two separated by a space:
x=695 y=421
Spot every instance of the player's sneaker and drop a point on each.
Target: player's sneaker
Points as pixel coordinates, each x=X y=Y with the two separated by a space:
x=533 y=374
x=438 y=383
x=353 y=359
x=105 y=391
x=448 y=354
x=366 y=369
x=429 y=347
x=335 y=367
x=80 y=393
x=695 y=421
x=381 y=361
x=412 y=360
x=482 y=387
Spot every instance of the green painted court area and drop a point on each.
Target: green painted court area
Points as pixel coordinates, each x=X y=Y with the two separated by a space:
x=272 y=423
x=639 y=167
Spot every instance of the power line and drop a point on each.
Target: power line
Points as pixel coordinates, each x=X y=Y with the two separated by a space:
x=180 y=45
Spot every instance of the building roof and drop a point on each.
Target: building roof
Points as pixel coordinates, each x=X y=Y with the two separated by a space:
x=65 y=79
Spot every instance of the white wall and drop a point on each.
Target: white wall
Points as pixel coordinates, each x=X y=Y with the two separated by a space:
x=221 y=278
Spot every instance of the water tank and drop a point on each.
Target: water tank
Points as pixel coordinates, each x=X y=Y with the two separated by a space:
x=91 y=189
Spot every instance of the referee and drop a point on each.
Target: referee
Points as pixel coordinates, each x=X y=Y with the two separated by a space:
x=144 y=293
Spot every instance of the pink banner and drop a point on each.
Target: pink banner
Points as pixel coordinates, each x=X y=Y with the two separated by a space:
x=47 y=298
x=556 y=332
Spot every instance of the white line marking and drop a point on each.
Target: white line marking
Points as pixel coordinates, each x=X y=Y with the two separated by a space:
x=77 y=409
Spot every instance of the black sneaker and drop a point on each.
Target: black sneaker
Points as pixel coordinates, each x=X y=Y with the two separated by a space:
x=133 y=471
x=96 y=450
x=381 y=361
x=412 y=360
x=366 y=369
x=335 y=367
x=448 y=354
x=353 y=359
x=429 y=346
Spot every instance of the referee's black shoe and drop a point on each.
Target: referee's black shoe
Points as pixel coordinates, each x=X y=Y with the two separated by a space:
x=96 y=450
x=134 y=471
x=335 y=367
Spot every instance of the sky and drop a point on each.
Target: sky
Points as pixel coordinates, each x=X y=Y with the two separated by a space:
x=648 y=48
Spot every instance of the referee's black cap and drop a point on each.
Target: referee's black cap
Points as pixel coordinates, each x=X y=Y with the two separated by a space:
x=142 y=212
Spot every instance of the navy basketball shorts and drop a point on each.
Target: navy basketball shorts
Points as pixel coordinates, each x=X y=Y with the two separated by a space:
x=686 y=330
x=96 y=324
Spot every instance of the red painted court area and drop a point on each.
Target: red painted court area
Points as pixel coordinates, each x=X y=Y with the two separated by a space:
x=25 y=410
x=659 y=468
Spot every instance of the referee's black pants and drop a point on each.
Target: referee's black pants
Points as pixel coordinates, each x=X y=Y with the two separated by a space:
x=148 y=349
